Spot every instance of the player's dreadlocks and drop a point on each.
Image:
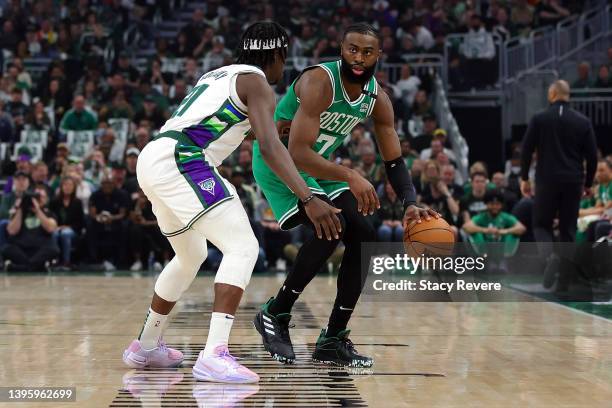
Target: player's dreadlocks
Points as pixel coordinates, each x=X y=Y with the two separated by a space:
x=260 y=42
x=362 y=28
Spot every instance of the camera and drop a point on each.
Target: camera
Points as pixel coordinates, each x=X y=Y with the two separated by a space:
x=26 y=200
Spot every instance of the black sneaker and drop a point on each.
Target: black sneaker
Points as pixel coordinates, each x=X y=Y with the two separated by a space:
x=274 y=332
x=339 y=350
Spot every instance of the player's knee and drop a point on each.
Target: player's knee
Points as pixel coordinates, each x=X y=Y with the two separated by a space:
x=365 y=230
x=238 y=262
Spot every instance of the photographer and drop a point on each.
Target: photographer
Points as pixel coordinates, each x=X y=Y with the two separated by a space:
x=30 y=243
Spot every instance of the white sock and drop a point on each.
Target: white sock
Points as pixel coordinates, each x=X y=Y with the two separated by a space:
x=218 y=334
x=152 y=329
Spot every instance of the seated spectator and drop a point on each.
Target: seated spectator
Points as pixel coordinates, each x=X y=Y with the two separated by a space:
x=504 y=27
x=30 y=244
x=368 y=167
x=8 y=134
x=603 y=78
x=407 y=86
x=391 y=215
x=131 y=180
x=150 y=112
x=408 y=154
x=522 y=15
x=501 y=184
x=422 y=106
x=274 y=239
x=126 y=69
x=423 y=141
x=449 y=176
x=494 y=226
x=145 y=236
x=96 y=168
x=78 y=118
x=218 y=56
x=597 y=214
x=437 y=195
x=473 y=202
x=21 y=183
x=422 y=36
x=437 y=146
x=40 y=176
x=17 y=109
x=479 y=51
x=584 y=73
x=477 y=167
x=108 y=208
x=70 y=218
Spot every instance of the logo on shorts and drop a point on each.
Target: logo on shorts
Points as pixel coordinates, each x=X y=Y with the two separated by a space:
x=208 y=185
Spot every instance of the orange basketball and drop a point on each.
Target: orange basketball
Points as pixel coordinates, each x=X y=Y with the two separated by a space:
x=431 y=238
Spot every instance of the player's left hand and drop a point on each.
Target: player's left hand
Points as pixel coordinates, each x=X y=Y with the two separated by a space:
x=415 y=213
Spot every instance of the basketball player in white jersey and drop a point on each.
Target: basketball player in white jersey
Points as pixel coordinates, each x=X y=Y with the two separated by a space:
x=194 y=204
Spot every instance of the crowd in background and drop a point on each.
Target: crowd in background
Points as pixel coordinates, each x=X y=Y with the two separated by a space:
x=61 y=206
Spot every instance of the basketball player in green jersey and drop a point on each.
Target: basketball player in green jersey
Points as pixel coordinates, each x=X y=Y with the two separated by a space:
x=321 y=108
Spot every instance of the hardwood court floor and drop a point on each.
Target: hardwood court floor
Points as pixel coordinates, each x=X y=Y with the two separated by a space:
x=71 y=331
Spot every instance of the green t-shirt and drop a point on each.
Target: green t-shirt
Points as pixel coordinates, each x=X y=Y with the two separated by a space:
x=604 y=193
x=502 y=221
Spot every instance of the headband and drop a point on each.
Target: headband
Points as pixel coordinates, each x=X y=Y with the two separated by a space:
x=264 y=44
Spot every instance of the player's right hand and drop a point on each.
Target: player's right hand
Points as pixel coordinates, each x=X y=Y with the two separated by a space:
x=324 y=218
x=364 y=192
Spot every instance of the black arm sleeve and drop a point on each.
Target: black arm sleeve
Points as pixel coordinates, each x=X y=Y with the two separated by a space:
x=400 y=180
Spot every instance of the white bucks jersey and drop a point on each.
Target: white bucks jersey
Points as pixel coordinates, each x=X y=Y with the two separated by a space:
x=212 y=115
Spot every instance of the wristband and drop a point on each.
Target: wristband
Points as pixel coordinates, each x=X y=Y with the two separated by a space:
x=308 y=199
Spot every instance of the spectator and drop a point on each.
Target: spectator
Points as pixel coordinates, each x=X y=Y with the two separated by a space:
x=145 y=236
x=205 y=45
x=218 y=56
x=7 y=126
x=151 y=112
x=473 y=203
x=422 y=36
x=78 y=118
x=584 y=73
x=423 y=140
x=437 y=195
x=510 y=198
x=30 y=242
x=274 y=239
x=70 y=217
x=106 y=228
x=479 y=51
x=17 y=109
x=603 y=78
x=40 y=176
x=422 y=106
x=504 y=27
x=407 y=86
x=550 y=12
x=408 y=154
x=131 y=159
x=124 y=68
x=195 y=29
x=21 y=183
x=368 y=167
x=522 y=15
x=437 y=146
x=391 y=214
x=449 y=176
x=494 y=226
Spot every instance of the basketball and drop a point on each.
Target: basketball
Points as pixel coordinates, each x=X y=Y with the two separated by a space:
x=432 y=238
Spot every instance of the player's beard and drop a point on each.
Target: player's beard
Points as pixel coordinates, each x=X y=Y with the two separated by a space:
x=348 y=73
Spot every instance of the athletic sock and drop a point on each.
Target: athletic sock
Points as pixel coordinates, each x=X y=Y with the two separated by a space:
x=338 y=320
x=218 y=334
x=284 y=300
x=152 y=330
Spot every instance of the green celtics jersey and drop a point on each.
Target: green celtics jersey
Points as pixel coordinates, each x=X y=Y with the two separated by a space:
x=340 y=117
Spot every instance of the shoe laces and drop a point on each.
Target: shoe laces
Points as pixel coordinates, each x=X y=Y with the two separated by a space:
x=225 y=355
x=348 y=345
x=162 y=346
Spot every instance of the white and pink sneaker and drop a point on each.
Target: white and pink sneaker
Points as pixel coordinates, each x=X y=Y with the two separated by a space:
x=222 y=367
x=161 y=356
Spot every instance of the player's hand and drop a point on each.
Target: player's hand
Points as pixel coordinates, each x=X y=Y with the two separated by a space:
x=416 y=213
x=324 y=218
x=526 y=188
x=364 y=192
